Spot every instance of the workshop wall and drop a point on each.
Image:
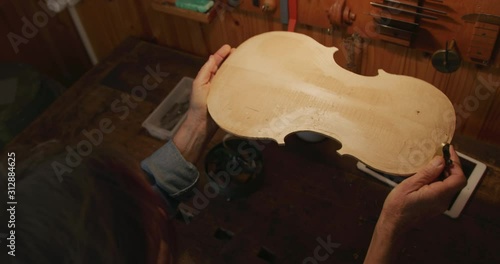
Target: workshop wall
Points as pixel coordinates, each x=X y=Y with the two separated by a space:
x=51 y=43
x=473 y=89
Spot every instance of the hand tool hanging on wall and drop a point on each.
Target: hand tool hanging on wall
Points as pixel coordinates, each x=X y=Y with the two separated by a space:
x=399 y=22
x=417 y=7
x=340 y=14
x=399 y=31
x=284 y=12
x=268 y=6
x=447 y=60
x=402 y=10
x=292 y=15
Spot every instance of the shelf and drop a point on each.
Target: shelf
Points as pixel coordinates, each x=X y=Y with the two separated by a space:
x=171 y=9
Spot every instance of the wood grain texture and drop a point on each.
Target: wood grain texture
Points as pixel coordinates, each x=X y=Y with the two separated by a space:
x=235 y=25
x=278 y=83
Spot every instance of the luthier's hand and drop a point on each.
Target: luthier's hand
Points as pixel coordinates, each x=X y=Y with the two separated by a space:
x=421 y=197
x=416 y=199
x=199 y=127
x=201 y=87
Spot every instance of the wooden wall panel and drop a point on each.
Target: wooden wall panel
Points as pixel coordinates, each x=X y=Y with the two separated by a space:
x=55 y=50
x=234 y=27
x=490 y=130
x=107 y=28
x=108 y=23
x=461 y=87
x=229 y=27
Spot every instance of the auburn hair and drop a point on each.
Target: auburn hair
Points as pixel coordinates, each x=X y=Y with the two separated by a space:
x=103 y=211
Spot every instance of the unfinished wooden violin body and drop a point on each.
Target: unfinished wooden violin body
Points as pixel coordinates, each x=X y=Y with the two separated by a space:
x=278 y=83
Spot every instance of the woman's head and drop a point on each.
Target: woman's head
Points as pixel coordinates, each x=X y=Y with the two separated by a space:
x=104 y=211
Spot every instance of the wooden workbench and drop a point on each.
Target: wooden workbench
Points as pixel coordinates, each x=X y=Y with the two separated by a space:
x=309 y=192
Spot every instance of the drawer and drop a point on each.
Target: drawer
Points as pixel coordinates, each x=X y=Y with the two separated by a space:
x=485 y=33
x=480 y=53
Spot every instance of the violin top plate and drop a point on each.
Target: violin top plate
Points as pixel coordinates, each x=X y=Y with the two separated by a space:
x=279 y=83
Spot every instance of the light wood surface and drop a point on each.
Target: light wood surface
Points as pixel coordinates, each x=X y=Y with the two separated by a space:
x=278 y=83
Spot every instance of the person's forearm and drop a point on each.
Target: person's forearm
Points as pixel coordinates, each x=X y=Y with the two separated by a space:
x=383 y=244
x=191 y=138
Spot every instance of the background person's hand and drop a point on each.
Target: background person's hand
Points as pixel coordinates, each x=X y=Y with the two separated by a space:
x=198 y=111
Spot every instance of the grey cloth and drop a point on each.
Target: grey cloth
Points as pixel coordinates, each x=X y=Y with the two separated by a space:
x=171 y=172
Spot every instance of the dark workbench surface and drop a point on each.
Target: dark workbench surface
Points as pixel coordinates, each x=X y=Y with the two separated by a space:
x=309 y=193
